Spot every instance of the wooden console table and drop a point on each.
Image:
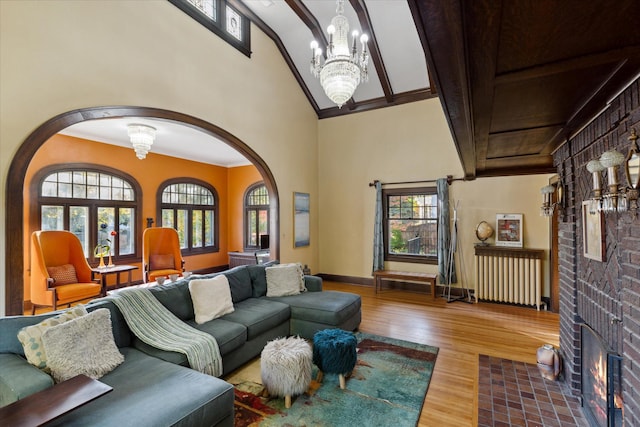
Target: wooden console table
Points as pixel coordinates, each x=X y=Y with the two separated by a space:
x=117 y=270
x=46 y=405
x=379 y=276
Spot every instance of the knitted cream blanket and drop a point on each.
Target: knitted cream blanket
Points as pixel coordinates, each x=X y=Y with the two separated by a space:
x=155 y=325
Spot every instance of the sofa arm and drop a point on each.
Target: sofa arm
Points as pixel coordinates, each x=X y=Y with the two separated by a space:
x=313 y=283
x=19 y=379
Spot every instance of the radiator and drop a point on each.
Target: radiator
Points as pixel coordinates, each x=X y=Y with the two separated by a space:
x=511 y=275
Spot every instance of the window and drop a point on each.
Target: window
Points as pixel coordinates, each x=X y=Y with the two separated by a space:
x=411 y=224
x=100 y=206
x=256 y=208
x=190 y=206
x=222 y=19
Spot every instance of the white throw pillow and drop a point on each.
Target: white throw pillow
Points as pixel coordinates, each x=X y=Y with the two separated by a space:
x=211 y=298
x=284 y=280
x=84 y=345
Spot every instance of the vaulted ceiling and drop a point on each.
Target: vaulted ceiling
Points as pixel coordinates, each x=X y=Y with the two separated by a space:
x=515 y=78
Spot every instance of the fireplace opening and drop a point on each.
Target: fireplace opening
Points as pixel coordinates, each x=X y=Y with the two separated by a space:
x=601 y=381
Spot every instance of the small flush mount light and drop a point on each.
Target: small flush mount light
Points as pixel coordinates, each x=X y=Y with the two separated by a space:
x=142 y=137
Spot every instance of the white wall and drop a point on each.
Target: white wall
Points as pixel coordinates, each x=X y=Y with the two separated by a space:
x=58 y=56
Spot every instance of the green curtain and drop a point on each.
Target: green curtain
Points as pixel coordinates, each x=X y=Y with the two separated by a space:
x=446 y=261
x=378 y=239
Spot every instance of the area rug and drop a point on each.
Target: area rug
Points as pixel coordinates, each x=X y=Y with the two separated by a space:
x=386 y=388
x=512 y=393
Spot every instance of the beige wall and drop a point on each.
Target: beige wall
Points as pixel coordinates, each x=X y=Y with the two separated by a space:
x=64 y=55
x=407 y=143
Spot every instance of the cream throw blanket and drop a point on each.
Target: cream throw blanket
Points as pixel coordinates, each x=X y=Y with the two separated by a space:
x=155 y=325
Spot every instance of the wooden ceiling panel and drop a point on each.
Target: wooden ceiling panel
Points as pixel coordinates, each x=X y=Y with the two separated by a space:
x=545 y=100
x=520 y=143
x=518 y=77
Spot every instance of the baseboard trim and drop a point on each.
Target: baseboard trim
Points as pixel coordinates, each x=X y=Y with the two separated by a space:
x=352 y=280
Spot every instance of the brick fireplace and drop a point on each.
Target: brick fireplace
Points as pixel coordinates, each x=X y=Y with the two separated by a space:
x=605 y=296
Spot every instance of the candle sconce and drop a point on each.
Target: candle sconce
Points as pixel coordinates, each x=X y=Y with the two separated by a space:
x=548 y=204
x=632 y=173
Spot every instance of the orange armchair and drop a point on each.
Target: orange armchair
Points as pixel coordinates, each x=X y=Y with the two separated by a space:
x=161 y=254
x=60 y=274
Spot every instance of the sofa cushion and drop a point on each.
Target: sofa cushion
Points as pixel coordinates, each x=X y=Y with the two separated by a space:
x=239 y=282
x=211 y=298
x=258 y=280
x=151 y=392
x=19 y=379
x=176 y=298
x=84 y=345
x=31 y=336
x=63 y=274
x=285 y=279
x=259 y=315
x=331 y=308
x=229 y=336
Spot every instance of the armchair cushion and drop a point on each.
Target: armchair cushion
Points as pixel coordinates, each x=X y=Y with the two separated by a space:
x=63 y=274
x=31 y=336
x=161 y=262
x=84 y=345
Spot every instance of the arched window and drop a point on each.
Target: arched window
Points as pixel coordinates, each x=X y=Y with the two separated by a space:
x=99 y=205
x=191 y=207
x=256 y=207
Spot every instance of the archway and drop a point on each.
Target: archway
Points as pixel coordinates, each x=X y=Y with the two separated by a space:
x=14 y=242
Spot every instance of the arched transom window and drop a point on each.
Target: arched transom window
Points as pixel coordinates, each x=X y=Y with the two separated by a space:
x=256 y=207
x=98 y=206
x=190 y=206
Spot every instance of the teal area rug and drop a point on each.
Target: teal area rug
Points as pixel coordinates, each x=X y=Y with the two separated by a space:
x=386 y=388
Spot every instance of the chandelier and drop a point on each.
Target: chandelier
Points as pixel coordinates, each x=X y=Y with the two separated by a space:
x=142 y=137
x=343 y=68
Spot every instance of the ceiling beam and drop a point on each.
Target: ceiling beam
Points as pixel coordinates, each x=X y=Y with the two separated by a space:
x=374 y=50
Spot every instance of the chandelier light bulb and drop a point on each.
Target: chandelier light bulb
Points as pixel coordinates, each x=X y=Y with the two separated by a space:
x=364 y=39
x=314 y=45
x=331 y=29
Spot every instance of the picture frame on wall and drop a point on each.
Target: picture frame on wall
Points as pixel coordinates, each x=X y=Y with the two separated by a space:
x=509 y=230
x=301 y=224
x=592 y=233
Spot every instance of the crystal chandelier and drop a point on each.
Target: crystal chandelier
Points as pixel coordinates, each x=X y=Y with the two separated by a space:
x=142 y=137
x=343 y=69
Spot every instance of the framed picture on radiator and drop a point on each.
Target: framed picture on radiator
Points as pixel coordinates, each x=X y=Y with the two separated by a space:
x=509 y=230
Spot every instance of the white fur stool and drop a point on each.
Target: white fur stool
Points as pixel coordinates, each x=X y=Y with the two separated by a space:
x=285 y=366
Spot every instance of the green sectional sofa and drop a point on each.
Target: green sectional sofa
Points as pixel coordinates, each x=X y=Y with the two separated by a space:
x=153 y=387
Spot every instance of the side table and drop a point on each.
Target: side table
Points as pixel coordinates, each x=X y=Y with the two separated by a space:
x=117 y=270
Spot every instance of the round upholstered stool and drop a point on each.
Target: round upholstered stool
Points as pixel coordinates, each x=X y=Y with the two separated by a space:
x=334 y=352
x=285 y=366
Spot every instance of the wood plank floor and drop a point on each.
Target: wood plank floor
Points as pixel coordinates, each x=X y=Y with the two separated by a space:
x=461 y=331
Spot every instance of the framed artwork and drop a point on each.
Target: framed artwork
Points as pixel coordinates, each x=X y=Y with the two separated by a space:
x=301 y=228
x=592 y=235
x=509 y=230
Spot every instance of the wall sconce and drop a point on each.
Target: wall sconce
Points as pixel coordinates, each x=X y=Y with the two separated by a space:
x=610 y=203
x=595 y=203
x=142 y=137
x=547 y=206
x=632 y=173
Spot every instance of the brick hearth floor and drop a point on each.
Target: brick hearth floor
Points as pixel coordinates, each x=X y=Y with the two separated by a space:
x=514 y=393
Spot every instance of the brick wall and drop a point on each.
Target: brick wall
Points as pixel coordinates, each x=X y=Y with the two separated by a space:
x=605 y=295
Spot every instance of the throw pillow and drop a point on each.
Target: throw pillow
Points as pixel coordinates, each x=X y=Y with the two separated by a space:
x=84 y=345
x=31 y=336
x=161 y=262
x=63 y=274
x=211 y=298
x=284 y=280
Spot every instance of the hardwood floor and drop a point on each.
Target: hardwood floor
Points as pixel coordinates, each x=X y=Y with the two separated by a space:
x=461 y=331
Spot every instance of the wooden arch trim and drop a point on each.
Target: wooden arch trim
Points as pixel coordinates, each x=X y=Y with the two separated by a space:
x=14 y=203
